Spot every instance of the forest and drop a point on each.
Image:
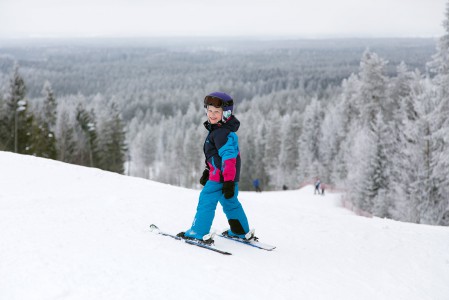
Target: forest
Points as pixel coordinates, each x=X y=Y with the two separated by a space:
x=367 y=116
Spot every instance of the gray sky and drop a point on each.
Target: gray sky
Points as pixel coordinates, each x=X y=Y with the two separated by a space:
x=300 y=18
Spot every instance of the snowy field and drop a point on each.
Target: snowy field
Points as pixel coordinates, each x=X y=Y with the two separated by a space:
x=69 y=232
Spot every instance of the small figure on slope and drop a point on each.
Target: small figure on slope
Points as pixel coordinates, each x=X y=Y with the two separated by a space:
x=256 y=184
x=317 y=186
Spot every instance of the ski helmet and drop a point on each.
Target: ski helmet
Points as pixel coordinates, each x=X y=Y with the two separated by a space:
x=223 y=100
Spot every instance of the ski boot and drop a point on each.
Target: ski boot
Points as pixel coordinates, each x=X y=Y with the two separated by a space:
x=249 y=236
x=208 y=239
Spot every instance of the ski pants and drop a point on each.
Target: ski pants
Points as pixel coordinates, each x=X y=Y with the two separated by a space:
x=205 y=212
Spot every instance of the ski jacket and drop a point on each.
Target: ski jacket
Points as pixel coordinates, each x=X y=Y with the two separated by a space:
x=221 y=150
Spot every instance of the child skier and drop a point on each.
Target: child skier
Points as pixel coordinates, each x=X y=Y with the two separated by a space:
x=221 y=176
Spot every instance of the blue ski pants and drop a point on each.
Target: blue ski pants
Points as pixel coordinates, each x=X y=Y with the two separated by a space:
x=205 y=212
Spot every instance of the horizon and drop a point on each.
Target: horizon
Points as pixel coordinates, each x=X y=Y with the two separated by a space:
x=194 y=40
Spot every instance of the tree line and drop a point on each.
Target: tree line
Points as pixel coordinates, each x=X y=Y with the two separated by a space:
x=69 y=134
x=385 y=139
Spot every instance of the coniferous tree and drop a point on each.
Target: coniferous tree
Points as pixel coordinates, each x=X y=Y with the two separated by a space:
x=272 y=151
x=19 y=120
x=87 y=148
x=112 y=142
x=331 y=136
x=248 y=155
x=439 y=66
x=382 y=163
x=369 y=175
x=65 y=141
x=172 y=170
x=309 y=162
x=260 y=170
x=349 y=112
x=403 y=90
x=50 y=106
x=5 y=133
x=250 y=143
x=144 y=151
x=426 y=142
x=288 y=160
x=371 y=98
x=43 y=139
x=433 y=110
x=370 y=140
x=400 y=87
x=192 y=161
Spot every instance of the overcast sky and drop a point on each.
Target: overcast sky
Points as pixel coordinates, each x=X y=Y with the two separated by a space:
x=298 y=18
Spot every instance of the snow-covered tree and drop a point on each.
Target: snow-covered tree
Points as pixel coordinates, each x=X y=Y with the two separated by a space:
x=273 y=150
x=309 y=163
x=439 y=65
x=252 y=135
x=433 y=108
x=371 y=97
x=369 y=176
x=65 y=137
x=193 y=159
x=50 y=105
x=143 y=152
x=427 y=145
x=399 y=89
x=288 y=159
x=332 y=134
x=346 y=115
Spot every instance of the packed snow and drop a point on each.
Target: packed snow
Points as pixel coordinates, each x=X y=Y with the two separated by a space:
x=70 y=232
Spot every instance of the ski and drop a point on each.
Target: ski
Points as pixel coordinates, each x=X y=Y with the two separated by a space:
x=155 y=229
x=252 y=243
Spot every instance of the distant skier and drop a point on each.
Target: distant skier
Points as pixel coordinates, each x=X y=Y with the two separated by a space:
x=317 y=186
x=256 y=185
x=323 y=186
x=221 y=175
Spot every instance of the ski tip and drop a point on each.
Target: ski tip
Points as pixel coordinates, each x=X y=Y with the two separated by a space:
x=153 y=227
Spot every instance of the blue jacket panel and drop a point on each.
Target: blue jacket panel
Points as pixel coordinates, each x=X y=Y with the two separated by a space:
x=222 y=151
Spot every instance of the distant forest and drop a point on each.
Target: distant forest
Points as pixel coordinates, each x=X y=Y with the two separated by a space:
x=338 y=110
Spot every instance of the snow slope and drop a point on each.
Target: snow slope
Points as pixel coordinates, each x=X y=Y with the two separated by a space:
x=69 y=232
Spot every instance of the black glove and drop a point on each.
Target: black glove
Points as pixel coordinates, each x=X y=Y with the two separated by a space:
x=205 y=177
x=228 y=189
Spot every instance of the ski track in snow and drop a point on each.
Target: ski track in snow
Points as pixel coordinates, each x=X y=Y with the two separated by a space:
x=70 y=232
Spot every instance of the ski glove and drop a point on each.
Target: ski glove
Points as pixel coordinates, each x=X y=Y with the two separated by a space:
x=228 y=189
x=205 y=177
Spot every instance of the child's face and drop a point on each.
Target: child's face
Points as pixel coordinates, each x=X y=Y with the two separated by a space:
x=214 y=114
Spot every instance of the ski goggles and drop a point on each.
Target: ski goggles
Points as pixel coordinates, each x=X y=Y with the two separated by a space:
x=217 y=102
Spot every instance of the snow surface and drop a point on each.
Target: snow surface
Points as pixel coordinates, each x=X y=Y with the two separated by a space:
x=70 y=232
